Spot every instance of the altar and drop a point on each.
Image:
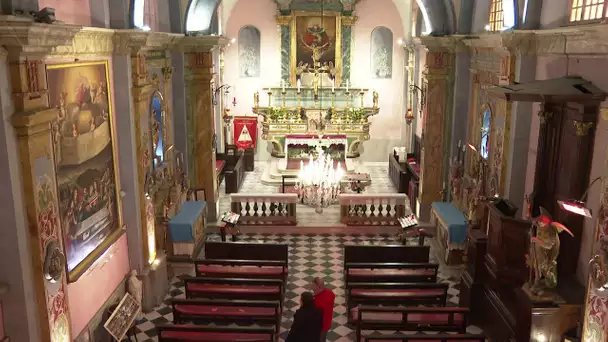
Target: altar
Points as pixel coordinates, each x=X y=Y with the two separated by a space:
x=298 y=148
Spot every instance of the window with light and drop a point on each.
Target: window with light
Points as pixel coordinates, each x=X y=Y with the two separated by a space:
x=502 y=15
x=583 y=10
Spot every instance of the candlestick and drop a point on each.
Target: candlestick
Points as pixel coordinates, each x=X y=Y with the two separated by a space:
x=283 y=86
x=361 y=93
x=333 y=85
x=299 y=85
x=283 y=96
x=333 y=97
x=347 y=83
x=269 y=98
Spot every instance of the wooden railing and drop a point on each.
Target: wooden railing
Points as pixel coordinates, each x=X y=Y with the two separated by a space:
x=373 y=209
x=265 y=209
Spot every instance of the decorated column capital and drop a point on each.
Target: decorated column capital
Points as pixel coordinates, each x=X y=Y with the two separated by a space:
x=283 y=5
x=283 y=20
x=349 y=20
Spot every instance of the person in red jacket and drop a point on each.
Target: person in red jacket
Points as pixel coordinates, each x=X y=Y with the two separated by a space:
x=324 y=300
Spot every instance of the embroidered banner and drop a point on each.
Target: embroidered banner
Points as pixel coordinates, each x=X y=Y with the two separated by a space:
x=245 y=131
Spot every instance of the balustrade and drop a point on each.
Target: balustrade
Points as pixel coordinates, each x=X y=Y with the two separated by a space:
x=373 y=209
x=265 y=209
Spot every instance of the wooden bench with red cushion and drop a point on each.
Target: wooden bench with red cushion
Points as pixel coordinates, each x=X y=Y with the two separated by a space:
x=383 y=254
x=201 y=333
x=442 y=319
x=424 y=338
x=390 y=271
x=242 y=312
x=405 y=294
x=234 y=288
x=257 y=269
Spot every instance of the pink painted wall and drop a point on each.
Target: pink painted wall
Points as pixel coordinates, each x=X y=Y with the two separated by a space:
x=261 y=14
x=91 y=291
x=551 y=67
x=371 y=14
x=75 y=12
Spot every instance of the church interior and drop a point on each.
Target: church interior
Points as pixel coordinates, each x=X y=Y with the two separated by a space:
x=184 y=170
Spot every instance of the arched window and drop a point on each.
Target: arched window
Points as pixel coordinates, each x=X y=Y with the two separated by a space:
x=502 y=15
x=145 y=14
x=583 y=10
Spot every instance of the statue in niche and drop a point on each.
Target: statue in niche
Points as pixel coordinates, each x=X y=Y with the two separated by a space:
x=249 y=52
x=544 y=250
x=382 y=52
x=383 y=70
x=249 y=62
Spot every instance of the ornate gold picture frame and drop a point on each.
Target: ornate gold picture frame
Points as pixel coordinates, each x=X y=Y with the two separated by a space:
x=90 y=207
x=320 y=30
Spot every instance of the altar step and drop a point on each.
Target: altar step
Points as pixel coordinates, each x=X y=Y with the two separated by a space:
x=273 y=174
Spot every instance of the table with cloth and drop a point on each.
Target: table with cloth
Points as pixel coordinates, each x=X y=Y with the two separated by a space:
x=450 y=231
x=187 y=228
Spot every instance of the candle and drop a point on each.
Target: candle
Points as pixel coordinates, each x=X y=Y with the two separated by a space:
x=283 y=85
x=299 y=85
x=347 y=82
x=333 y=85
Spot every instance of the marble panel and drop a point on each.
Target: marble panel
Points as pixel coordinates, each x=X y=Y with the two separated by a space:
x=382 y=52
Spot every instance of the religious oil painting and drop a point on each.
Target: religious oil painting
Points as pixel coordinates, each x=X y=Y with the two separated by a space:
x=84 y=154
x=158 y=129
x=316 y=43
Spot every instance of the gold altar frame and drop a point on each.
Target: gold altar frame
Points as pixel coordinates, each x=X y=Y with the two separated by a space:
x=92 y=257
x=294 y=41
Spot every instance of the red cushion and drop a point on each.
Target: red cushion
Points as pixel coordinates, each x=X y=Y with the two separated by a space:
x=214 y=336
x=389 y=272
x=266 y=270
x=235 y=311
x=219 y=165
x=416 y=318
x=397 y=292
x=223 y=288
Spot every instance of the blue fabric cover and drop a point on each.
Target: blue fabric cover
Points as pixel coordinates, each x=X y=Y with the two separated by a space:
x=455 y=220
x=181 y=227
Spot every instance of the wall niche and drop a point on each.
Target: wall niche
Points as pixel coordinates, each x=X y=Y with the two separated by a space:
x=382 y=52
x=249 y=52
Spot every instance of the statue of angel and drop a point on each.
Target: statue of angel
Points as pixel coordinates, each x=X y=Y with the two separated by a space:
x=544 y=249
x=301 y=68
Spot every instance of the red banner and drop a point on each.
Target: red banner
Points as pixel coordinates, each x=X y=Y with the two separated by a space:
x=245 y=131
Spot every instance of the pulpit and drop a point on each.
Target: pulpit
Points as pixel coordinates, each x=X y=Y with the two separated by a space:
x=187 y=229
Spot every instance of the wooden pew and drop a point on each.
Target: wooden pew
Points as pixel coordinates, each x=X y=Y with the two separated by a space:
x=234 y=288
x=428 y=338
x=404 y=294
x=390 y=271
x=229 y=259
x=441 y=319
x=241 y=312
x=388 y=263
x=201 y=333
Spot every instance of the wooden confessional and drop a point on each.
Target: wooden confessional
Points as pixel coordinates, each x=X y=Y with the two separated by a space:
x=568 y=115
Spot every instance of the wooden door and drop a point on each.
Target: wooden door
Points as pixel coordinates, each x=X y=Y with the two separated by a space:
x=562 y=171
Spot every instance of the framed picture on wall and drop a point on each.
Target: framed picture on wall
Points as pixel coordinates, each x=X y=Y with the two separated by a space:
x=316 y=35
x=85 y=155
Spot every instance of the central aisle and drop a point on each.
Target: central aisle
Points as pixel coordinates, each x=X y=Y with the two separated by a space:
x=310 y=255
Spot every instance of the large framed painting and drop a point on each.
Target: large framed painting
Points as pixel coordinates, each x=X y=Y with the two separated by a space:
x=316 y=35
x=85 y=154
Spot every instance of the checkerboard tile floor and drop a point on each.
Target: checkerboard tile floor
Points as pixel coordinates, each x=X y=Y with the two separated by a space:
x=309 y=256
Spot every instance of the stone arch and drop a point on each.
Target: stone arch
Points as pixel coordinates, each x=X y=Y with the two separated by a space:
x=438 y=15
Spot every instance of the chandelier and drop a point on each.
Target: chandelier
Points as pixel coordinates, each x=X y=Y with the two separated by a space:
x=318 y=183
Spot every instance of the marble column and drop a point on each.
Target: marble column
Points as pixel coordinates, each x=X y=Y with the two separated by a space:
x=32 y=120
x=347 y=43
x=19 y=303
x=200 y=111
x=127 y=158
x=519 y=137
x=179 y=106
x=284 y=23
x=439 y=85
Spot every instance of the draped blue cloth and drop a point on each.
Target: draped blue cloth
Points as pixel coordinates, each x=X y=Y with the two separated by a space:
x=454 y=219
x=181 y=227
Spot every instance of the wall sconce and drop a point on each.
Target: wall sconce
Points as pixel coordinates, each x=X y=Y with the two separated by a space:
x=578 y=207
x=226 y=88
x=414 y=88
